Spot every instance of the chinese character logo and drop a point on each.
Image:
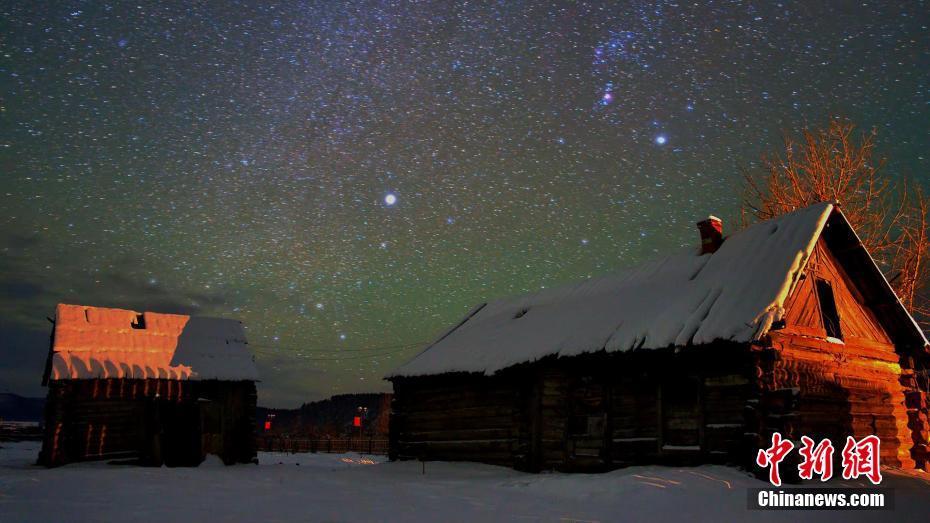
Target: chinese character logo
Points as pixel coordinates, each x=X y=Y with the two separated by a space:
x=817 y=459
x=773 y=456
x=860 y=458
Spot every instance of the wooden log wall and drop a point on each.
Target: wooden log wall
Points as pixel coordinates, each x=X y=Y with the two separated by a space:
x=586 y=413
x=716 y=403
x=462 y=418
x=236 y=403
x=815 y=388
x=915 y=380
x=610 y=411
x=553 y=418
x=809 y=385
x=155 y=420
x=727 y=399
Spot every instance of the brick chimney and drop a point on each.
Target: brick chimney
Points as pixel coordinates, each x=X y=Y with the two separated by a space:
x=711 y=231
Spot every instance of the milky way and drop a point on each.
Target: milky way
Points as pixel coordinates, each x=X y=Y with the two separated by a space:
x=349 y=180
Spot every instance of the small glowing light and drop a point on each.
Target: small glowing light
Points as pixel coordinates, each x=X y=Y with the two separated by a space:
x=342 y=337
x=607 y=98
x=319 y=306
x=661 y=139
x=390 y=199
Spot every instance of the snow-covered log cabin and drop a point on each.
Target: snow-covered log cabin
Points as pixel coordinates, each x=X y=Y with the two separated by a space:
x=163 y=388
x=787 y=325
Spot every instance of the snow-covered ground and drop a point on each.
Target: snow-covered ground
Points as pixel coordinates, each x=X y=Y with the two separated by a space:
x=350 y=487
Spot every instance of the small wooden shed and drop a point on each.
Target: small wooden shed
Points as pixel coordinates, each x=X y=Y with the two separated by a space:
x=787 y=325
x=163 y=388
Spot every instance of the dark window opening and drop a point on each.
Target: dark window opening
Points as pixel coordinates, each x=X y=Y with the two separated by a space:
x=828 y=312
x=139 y=323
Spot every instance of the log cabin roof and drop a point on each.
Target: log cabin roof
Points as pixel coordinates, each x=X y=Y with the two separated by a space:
x=97 y=342
x=734 y=294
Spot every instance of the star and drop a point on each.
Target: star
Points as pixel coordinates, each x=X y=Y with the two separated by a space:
x=390 y=199
x=661 y=139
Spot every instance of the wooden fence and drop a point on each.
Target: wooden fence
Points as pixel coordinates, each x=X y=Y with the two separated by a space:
x=337 y=445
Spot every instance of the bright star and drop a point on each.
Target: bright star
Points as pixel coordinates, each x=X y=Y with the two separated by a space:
x=661 y=139
x=390 y=199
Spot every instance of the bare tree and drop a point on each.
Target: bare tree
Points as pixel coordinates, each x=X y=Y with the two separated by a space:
x=912 y=272
x=837 y=164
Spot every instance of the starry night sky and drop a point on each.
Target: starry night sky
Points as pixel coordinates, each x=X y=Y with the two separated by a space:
x=350 y=180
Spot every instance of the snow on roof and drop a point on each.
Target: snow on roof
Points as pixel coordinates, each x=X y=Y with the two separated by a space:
x=96 y=342
x=733 y=294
